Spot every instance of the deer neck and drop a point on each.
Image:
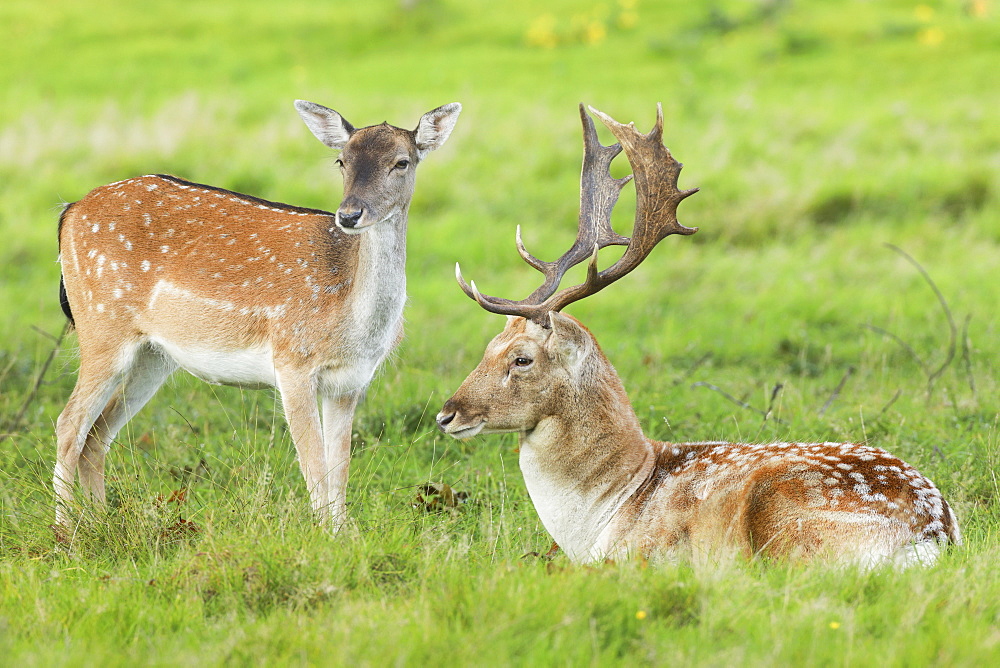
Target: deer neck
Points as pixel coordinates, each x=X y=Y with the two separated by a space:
x=382 y=253
x=380 y=279
x=581 y=465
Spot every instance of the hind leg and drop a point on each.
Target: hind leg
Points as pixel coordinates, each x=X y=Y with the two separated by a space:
x=104 y=370
x=148 y=372
x=93 y=390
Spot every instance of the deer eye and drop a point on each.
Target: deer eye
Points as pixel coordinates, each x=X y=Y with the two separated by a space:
x=522 y=362
x=402 y=164
x=339 y=163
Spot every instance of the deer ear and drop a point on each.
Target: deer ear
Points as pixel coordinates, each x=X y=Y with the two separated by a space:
x=569 y=342
x=329 y=127
x=435 y=126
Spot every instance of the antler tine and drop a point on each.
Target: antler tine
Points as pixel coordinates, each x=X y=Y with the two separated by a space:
x=471 y=290
x=528 y=257
x=494 y=304
x=499 y=304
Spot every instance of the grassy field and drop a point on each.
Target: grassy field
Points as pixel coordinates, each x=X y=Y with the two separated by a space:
x=824 y=137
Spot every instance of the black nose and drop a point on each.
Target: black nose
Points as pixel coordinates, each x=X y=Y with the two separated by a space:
x=350 y=220
x=444 y=420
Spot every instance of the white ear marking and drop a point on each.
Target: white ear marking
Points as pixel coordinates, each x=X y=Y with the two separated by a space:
x=329 y=127
x=435 y=127
x=568 y=341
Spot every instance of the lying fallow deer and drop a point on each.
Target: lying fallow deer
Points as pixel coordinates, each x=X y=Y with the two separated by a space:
x=603 y=489
x=160 y=273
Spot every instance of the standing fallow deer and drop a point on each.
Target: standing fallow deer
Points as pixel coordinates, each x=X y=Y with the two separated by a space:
x=603 y=489
x=160 y=273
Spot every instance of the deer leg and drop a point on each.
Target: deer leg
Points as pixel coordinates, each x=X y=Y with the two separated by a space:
x=74 y=424
x=338 y=420
x=99 y=378
x=299 y=400
x=147 y=373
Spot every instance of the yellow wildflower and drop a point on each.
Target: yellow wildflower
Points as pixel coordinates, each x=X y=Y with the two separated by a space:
x=628 y=19
x=594 y=32
x=930 y=36
x=542 y=32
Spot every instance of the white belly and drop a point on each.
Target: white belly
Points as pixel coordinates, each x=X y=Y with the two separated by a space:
x=247 y=367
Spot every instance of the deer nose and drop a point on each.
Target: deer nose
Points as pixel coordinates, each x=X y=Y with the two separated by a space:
x=445 y=419
x=350 y=220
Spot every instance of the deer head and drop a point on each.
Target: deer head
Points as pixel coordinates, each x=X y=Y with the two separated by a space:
x=377 y=162
x=542 y=355
x=527 y=373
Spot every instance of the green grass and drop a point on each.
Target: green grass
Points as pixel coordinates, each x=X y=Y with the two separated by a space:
x=818 y=133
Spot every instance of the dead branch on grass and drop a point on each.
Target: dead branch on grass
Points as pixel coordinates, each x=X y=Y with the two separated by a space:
x=932 y=373
x=15 y=423
x=766 y=414
x=836 y=391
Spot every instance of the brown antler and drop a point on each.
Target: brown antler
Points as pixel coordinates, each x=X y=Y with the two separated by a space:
x=598 y=194
x=657 y=197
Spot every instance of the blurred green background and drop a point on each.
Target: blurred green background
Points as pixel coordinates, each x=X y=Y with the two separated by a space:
x=818 y=132
x=820 y=129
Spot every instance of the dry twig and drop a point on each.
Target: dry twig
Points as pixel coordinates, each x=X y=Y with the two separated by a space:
x=15 y=423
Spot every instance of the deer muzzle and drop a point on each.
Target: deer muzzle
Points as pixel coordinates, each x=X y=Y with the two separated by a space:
x=349 y=220
x=451 y=421
x=354 y=215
